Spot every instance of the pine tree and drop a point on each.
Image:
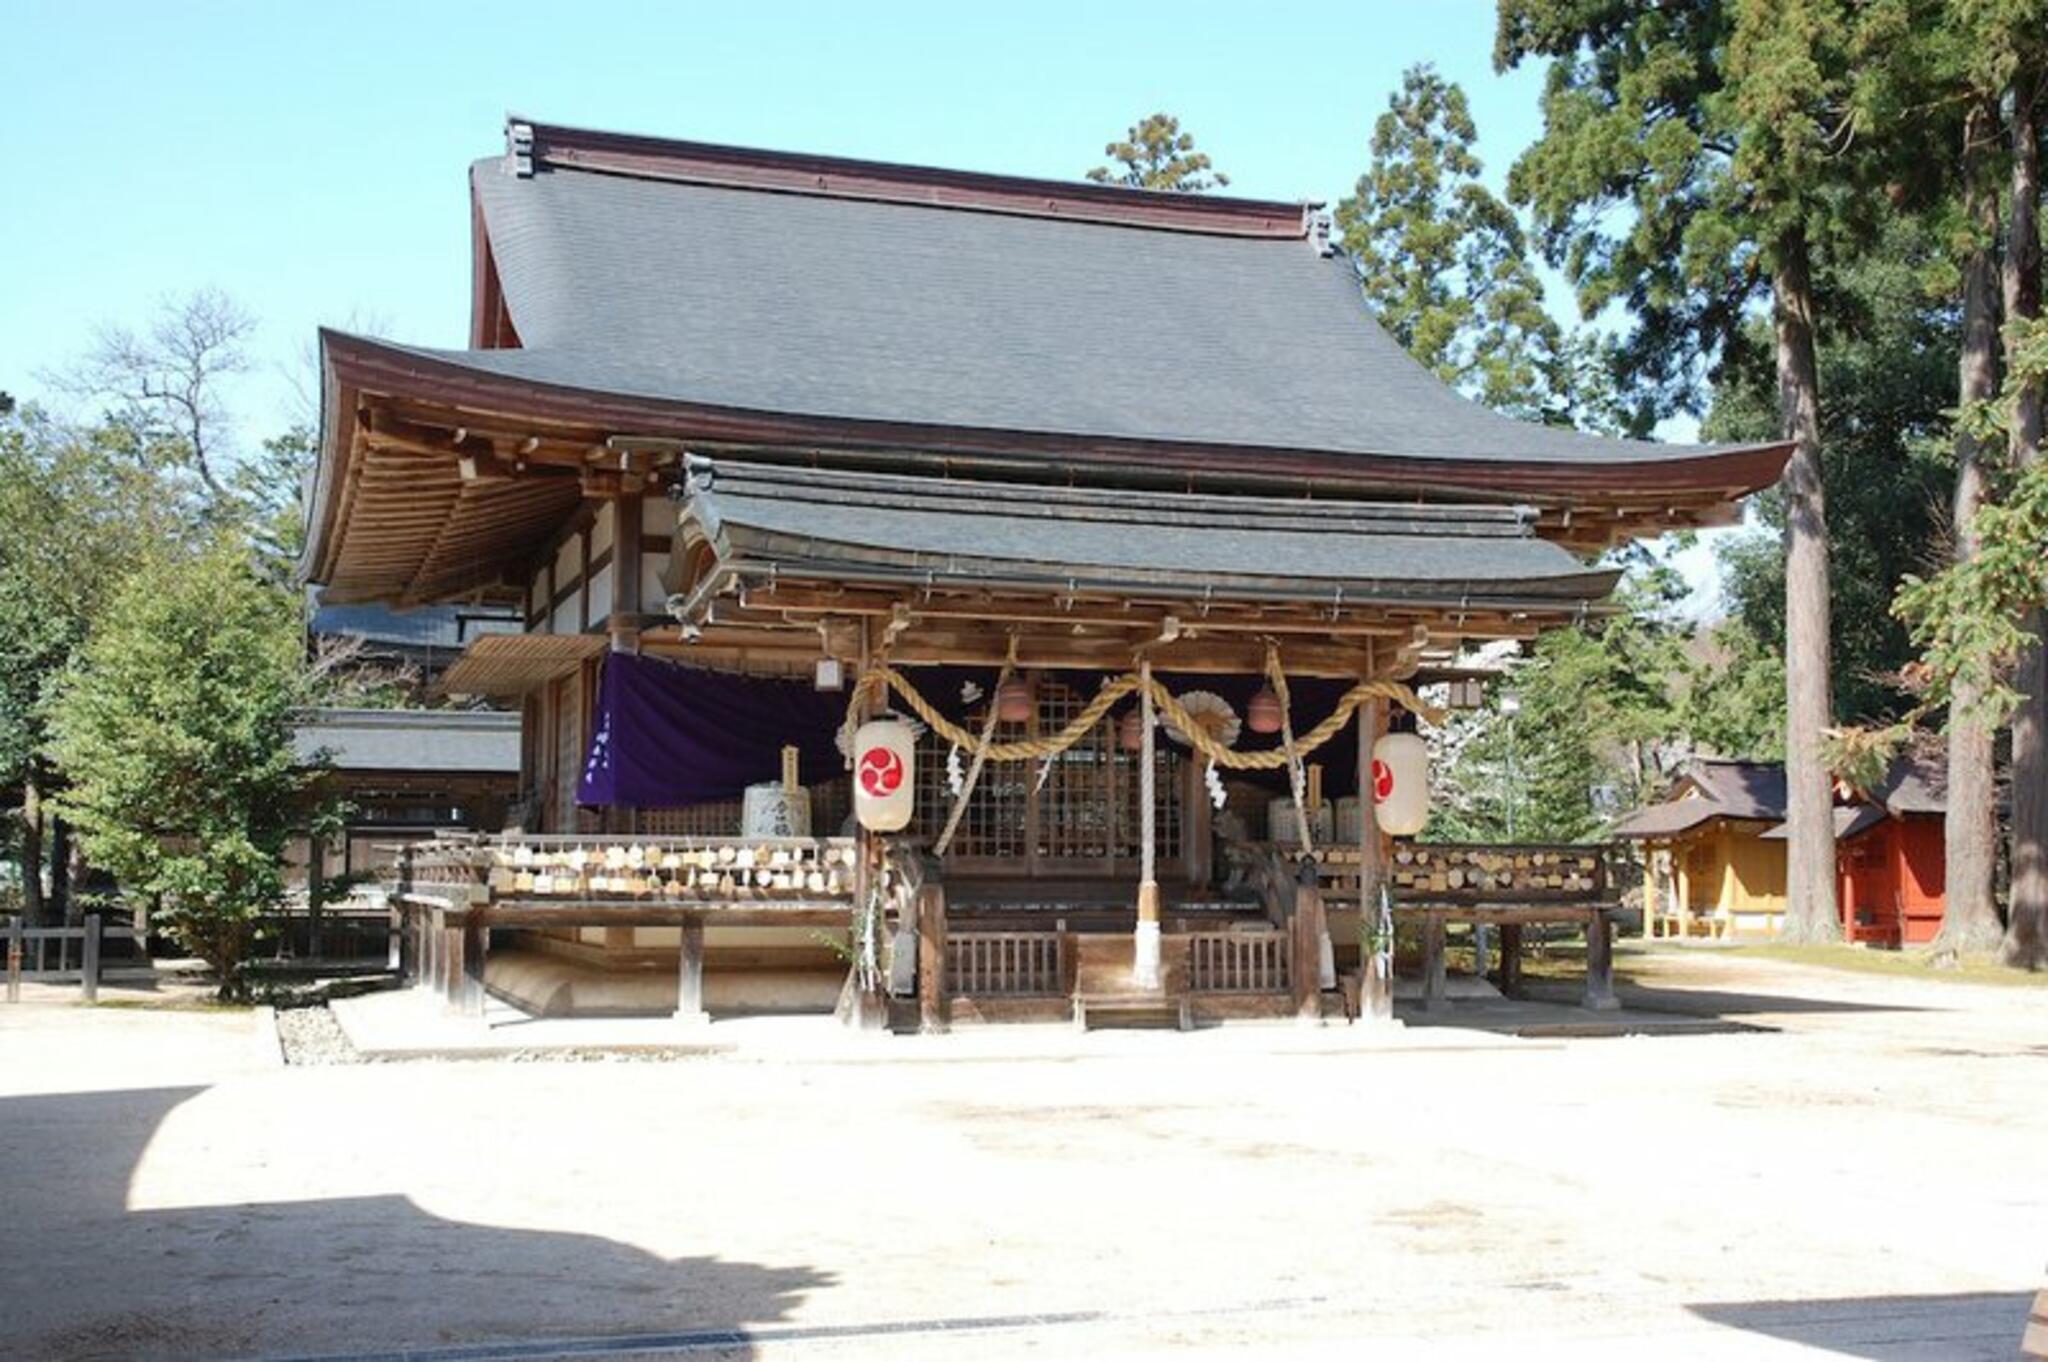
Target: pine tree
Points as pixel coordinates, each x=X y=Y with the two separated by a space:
x=1155 y=154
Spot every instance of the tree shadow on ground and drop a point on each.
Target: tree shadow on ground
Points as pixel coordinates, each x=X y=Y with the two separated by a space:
x=82 y=1276
x=1975 y=1324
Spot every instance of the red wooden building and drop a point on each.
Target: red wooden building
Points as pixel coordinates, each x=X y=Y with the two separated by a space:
x=1890 y=855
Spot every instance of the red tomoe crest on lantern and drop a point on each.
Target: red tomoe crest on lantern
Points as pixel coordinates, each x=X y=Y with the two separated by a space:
x=881 y=771
x=1400 y=784
x=1382 y=779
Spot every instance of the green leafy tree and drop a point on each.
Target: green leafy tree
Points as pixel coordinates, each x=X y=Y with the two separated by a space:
x=77 y=508
x=174 y=728
x=1733 y=699
x=267 y=490
x=1155 y=154
x=1444 y=263
x=1594 y=732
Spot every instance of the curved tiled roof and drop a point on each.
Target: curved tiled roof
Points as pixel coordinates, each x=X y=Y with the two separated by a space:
x=821 y=305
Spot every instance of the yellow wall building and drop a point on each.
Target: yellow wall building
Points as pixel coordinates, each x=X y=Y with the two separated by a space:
x=1708 y=868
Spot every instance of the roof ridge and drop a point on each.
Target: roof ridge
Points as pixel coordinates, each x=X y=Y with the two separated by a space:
x=533 y=145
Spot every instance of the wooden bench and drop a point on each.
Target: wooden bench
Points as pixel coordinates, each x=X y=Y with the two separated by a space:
x=1138 y=1008
x=2034 y=1343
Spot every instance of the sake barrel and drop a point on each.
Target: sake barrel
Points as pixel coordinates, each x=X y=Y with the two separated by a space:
x=772 y=809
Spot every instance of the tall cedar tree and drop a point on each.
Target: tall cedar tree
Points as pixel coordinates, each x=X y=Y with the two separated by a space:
x=1970 y=920
x=2026 y=936
x=1444 y=262
x=1718 y=126
x=1887 y=364
x=1155 y=154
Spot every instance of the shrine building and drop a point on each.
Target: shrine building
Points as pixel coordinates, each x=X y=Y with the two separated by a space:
x=954 y=596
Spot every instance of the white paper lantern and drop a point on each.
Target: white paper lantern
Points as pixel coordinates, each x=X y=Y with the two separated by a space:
x=1400 y=779
x=884 y=774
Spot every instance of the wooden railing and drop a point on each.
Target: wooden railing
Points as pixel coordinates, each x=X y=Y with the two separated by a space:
x=1240 y=962
x=470 y=870
x=22 y=938
x=1006 y=964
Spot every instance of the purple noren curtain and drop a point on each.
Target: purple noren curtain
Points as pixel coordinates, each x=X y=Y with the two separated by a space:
x=668 y=735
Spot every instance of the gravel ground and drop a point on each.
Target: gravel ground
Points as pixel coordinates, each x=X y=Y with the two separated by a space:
x=1855 y=1178
x=310 y=1035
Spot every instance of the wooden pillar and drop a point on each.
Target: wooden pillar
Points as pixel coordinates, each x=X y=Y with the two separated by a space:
x=934 y=1010
x=1434 y=986
x=394 y=939
x=1376 y=970
x=452 y=966
x=1145 y=944
x=1653 y=868
x=690 y=975
x=429 y=957
x=316 y=885
x=1511 y=959
x=476 y=949
x=1305 y=975
x=89 y=960
x=14 y=945
x=1600 y=962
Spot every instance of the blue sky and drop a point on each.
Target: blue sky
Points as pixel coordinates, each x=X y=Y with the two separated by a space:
x=309 y=159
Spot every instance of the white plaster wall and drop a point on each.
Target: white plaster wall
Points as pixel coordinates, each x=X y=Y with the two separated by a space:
x=652 y=592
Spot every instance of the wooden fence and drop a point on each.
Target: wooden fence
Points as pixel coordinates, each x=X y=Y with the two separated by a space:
x=1240 y=962
x=22 y=940
x=1006 y=964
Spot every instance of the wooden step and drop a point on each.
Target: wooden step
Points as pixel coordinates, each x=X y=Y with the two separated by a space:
x=1132 y=1009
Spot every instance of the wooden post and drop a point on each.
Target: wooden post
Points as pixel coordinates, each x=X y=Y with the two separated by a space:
x=1376 y=987
x=476 y=949
x=450 y=982
x=1434 y=989
x=1652 y=868
x=1600 y=962
x=1305 y=977
x=1511 y=959
x=1145 y=943
x=14 y=959
x=316 y=885
x=690 y=975
x=426 y=960
x=934 y=1009
x=89 y=960
x=394 y=938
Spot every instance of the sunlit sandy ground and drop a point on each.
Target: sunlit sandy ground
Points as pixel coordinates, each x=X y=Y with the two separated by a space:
x=1860 y=1177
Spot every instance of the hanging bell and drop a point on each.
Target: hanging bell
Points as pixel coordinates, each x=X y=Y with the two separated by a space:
x=1014 y=700
x=1130 y=730
x=1262 y=714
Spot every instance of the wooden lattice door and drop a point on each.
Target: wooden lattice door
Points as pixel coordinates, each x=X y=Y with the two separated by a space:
x=1072 y=814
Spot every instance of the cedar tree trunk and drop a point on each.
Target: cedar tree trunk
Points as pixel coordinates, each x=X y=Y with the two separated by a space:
x=1809 y=707
x=1971 y=920
x=2026 y=932
x=32 y=847
x=61 y=908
